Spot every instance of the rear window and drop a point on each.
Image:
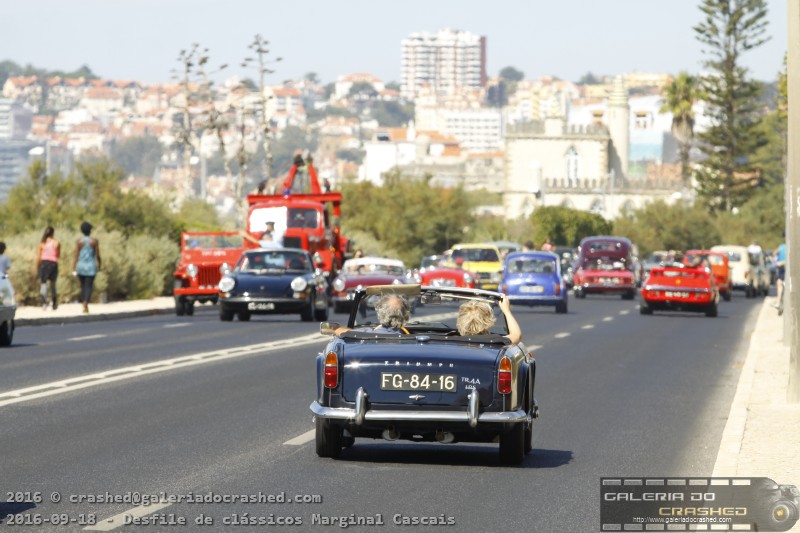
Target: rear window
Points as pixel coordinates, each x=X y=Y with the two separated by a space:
x=735 y=257
x=475 y=254
x=531 y=266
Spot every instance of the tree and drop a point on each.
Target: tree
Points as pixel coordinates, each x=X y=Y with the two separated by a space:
x=259 y=46
x=771 y=156
x=679 y=98
x=511 y=74
x=427 y=220
x=728 y=30
x=392 y=114
x=659 y=226
x=565 y=226
x=138 y=156
x=589 y=79
x=311 y=77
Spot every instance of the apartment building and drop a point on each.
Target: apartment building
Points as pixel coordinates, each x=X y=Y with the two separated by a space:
x=444 y=61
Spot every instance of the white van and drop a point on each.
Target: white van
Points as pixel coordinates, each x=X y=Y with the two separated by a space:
x=746 y=271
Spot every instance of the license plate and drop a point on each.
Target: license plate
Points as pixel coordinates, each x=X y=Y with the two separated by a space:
x=413 y=381
x=608 y=281
x=260 y=306
x=528 y=288
x=676 y=294
x=443 y=282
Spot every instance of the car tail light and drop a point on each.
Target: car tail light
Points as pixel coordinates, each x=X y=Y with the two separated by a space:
x=504 y=376
x=557 y=289
x=504 y=288
x=331 y=370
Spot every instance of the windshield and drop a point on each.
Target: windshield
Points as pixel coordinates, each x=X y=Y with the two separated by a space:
x=274 y=262
x=431 y=312
x=531 y=266
x=358 y=268
x=303 y=217
x=211 y=242
x=604 y=263
x=475 y=254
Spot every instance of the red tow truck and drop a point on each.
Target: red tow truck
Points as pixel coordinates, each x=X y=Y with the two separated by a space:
x=302 y=220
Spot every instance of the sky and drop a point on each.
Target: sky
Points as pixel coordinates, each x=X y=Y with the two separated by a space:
x=141 y=39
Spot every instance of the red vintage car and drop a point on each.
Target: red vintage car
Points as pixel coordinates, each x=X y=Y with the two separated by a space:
x=605 y=265
x=718 y=262
x=680 y=288
x=444 y=276
x=364 y=272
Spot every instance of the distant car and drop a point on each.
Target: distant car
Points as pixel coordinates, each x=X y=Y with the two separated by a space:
x=605 y=266
x=428 y=385
x=430 y=260
x=679 y=288
x=657 y=258
x=718 y=262
x=364 y=272
x=533 y=279
x=273 y=281
x=482 y=259
x=8 y=310
x=444 y=276
x=568 y=258
x=505 y=247
x=745 y=275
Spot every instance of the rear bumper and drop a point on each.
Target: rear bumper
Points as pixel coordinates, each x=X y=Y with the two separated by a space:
x=279 y=305
x=534 y=300
x=602 y=287
x=471 y=416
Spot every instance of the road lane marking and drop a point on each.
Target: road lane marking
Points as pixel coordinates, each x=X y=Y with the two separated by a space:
x=625 y=311
x=118 y=520
x=177 y=325
x=119 y=374
x=299 y=440
x=587 y=326
x=608 y=318
x=87 y=338
x=562 y=335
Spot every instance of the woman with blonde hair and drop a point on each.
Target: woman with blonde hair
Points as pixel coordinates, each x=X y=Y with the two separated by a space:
x=476 y=318
x=47 y=265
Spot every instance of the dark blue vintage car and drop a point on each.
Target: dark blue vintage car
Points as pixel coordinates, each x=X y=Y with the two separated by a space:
x=429 y=384
x=534 y=278
x=268 y=281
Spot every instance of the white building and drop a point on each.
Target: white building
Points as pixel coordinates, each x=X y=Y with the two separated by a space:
x=444 y=61
x=477 y=130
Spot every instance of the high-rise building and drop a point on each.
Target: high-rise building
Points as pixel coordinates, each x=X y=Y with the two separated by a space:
x=443 y=61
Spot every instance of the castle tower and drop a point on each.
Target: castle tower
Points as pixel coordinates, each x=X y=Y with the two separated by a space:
x=619 y=113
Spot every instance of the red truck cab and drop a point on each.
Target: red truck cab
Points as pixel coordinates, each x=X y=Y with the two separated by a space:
x=306 y=221
x=205 y=255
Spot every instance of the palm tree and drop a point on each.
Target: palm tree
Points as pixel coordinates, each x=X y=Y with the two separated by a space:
x=679 y=97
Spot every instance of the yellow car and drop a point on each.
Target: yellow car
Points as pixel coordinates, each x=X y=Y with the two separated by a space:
x=481 y=259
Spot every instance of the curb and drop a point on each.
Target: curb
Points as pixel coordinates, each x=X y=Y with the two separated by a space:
x=48 y=321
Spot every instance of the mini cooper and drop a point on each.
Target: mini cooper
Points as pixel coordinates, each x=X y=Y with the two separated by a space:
x=534 y=278
x=428 y=385
x=680 y=288
x=273 y=281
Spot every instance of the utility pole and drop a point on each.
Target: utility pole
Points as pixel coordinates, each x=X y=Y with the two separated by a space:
x=791 y=330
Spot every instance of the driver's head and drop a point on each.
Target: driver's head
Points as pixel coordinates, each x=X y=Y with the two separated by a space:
x=392 y=311
x=474 y=318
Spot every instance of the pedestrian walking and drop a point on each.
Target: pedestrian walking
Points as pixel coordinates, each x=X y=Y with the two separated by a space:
x=87 y=263
x=5 y=262
x=47 y=265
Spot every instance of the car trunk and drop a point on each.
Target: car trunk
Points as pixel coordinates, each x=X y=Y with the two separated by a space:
x=420 y=373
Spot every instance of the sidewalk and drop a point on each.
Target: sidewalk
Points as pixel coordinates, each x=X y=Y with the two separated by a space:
x=762 y=435
x=70 y=313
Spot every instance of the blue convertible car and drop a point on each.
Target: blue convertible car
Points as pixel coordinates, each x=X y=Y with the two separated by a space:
x=267 y=281
x=534 y=278
x=426 y=383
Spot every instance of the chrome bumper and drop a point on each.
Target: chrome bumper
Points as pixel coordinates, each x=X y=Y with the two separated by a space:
x=471 y=416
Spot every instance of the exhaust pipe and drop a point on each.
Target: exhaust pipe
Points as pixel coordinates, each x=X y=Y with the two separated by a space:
x=390 y=434
x=445 y=437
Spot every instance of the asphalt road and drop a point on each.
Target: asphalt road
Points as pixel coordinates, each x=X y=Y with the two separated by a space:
x=193 y=406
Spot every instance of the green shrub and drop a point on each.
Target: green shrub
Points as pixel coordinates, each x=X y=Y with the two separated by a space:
x=139 y=267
